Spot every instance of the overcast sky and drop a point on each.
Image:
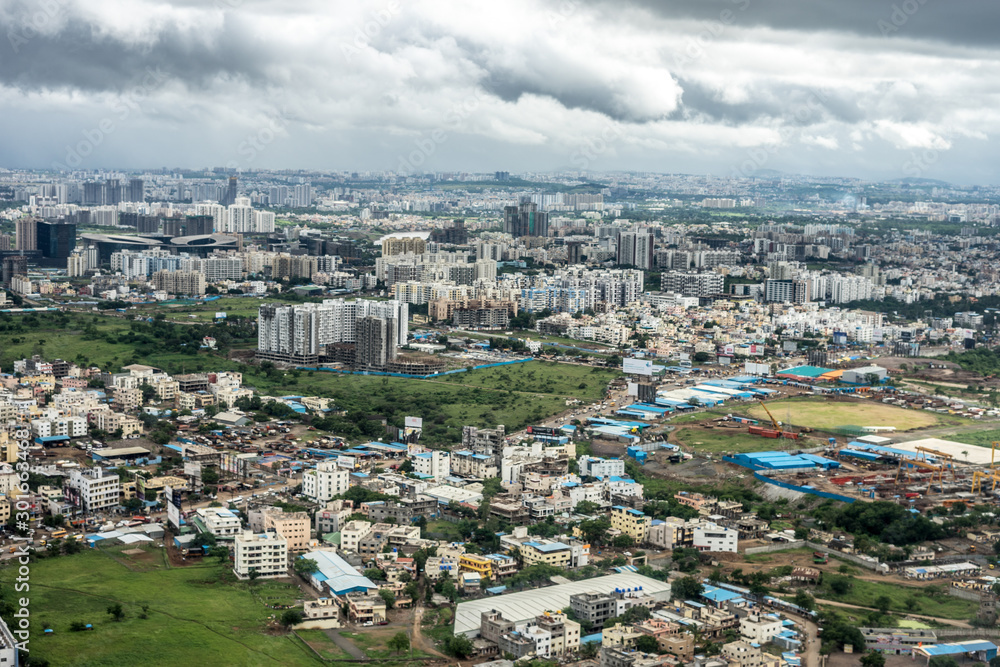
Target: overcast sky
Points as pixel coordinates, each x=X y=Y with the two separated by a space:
x=867 y=88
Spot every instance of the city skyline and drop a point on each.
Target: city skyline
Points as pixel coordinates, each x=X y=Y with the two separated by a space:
x=900 y=90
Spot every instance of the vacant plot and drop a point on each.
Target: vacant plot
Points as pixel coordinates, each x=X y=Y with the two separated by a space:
x=978 y=438
x=196 y=615
x=926 y=601
x=581 y=382
x=828 y=415
x=724 y=440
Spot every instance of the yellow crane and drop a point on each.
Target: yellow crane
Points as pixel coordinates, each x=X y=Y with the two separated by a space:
x=774 y=422
x=923 y=466
x=979 y=477
x=944 y=456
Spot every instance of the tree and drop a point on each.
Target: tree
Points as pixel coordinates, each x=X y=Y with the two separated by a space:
x=388 y=598
x=623 y=541
x=291 y=617
x=458 y=646
x=873 y=659
x=305 y=566
x=399 y=642
x=116 y=611
x=803 y=599
x=686 y=588
x=647 y=644
x=77 y=626
x=374 y=574
x=586 y=507
x=220 y=552
x=883 y=603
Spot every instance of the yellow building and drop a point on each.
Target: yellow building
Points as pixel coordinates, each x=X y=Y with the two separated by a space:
x=8 y=448
x=478 y=564
x=631 y=522
x=555 y=554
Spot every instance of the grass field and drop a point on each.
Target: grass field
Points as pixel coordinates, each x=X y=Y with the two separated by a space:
x=197 y=614
x=514 y=396
x=978 y=438
x=373 y=642
x=322 y=644
x=729 y=440
x=904 y=599
x=825 y=415
x=205 y=312
x=581 y=382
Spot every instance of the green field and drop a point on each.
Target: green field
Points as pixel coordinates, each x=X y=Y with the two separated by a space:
x=515 y=396
x=725 y=440
x=545 y=377
x=319 y=641
x=822 y=414
x=864 y=593
x=373 y=642
x=197 y=614
x=978 y=438
x=205 y=312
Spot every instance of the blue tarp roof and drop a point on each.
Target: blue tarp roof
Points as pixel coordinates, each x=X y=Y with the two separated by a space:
x=867 y=456
x=960 y=647
x=51 y=438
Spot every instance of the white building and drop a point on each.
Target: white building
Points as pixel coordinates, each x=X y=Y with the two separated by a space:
x=352 y=533
x=592 y=466
x=325 y=482
x=220 y=522
x=437 y=464
x=758 y=629
x=93 y=490
x=711 y=537
x=266 y=553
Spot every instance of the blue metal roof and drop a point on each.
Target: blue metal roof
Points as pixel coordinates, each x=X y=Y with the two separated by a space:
x=960 y=647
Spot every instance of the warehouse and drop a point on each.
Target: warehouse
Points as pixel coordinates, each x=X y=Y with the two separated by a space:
x=783 y=461
x=526 y=605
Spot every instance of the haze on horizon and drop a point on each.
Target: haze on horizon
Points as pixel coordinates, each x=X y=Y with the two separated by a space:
x=879 y=90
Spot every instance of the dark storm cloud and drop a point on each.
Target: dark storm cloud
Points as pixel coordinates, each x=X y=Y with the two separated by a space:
x=79 y=56
x=792 y=105
x=965 y=23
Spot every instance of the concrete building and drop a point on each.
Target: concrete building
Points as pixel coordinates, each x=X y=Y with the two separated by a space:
x=266 y=553
x=436 y=464
x=712 y=537
x=293 y=527
x=630 y=522
x=593 y=466
x=325 y=481
x=93 y=489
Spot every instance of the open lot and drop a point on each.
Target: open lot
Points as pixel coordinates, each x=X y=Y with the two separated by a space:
x=826 y=414
x=197 y=614
x=726 y=440
x=544 y=377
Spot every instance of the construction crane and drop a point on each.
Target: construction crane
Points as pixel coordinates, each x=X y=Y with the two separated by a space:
x=979 y=477
x=947 y=458
x=774 y=422
x=923 y=466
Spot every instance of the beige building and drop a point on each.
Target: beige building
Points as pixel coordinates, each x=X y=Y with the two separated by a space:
x=292 y=526
x=365 y=608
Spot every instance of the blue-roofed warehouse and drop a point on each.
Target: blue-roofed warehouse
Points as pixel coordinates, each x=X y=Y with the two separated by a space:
x=981 y=650
x=337 y=575
x=782 y=461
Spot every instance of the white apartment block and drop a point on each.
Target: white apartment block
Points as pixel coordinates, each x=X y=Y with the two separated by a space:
x=325 y=481
x=266 y=553
x=597 y=467
x=74 y=427
x=710 y=537
x=93 y=489
x=352 y=534
x=221 y=523
x=437 y=464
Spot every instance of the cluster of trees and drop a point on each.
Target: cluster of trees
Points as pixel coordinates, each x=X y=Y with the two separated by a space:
x=884 y=521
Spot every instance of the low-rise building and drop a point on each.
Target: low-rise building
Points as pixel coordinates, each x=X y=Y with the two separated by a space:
x=366 y=607
x=264 y=553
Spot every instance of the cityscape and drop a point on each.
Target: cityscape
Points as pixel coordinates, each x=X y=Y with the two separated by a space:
x=543 y=334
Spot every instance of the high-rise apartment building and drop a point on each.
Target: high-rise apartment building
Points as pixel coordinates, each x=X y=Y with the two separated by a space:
x=299 y=333
x=26 y=234
x=56 y=240
x=636 y=249
x=525 y=220
x=180 y=282
x=376 y=342
x=786 y=291
x=692 y=284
